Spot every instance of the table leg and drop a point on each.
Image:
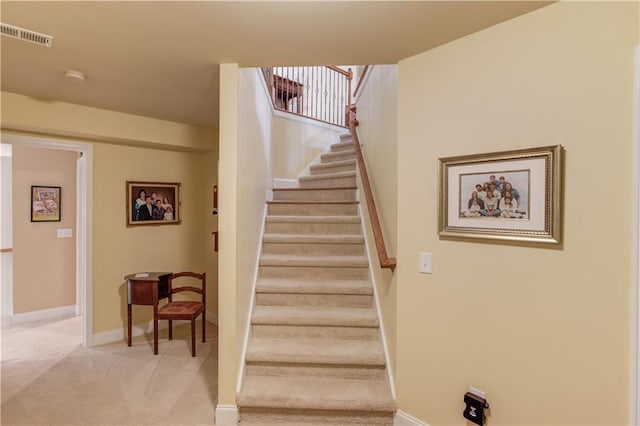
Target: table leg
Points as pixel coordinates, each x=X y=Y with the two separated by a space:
x=128 y=324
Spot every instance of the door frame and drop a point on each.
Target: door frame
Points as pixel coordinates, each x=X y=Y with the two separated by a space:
x=635 y=273
x=84 y=219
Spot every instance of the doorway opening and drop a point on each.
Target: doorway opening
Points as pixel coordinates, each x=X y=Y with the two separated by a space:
x=83 y=231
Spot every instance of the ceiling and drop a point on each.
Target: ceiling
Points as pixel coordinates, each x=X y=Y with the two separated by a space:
x=160 y=58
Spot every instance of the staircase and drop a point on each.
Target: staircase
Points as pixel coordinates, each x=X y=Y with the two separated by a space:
x=315 y=354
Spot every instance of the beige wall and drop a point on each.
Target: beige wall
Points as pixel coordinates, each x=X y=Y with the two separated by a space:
x=377 y=108
x=27 y=114
x=254 y=178
x=297 y=142
x=120 y=250
x=44 y=266
x=157 y=151
x=227 y=272
x=544 y=330
x=208 y=164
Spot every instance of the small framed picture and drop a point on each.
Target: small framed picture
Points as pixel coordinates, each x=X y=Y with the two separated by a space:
x=153 y=203
x=45 y=203
x=511 y=195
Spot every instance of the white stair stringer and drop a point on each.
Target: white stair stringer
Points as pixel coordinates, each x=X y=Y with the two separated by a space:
x=316 y=353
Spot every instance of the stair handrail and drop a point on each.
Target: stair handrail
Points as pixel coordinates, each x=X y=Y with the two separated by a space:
x=381 y=248
x=319 y=92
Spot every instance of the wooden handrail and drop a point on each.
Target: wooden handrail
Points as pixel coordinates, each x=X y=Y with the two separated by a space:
x=385 y=261
x=361 y=79
x=339 y=70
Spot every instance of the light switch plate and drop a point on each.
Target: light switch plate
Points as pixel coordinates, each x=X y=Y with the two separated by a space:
x=425 y=263
x=65 y=233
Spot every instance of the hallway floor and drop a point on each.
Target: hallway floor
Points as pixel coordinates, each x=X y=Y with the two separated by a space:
x=49 y=378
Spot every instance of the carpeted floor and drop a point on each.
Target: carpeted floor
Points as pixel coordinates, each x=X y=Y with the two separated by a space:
x=49 y=379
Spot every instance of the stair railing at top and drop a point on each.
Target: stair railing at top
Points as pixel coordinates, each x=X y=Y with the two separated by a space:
x=319 y=92
x=385 y=260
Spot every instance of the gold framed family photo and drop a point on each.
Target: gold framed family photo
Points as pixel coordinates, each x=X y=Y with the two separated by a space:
x=509 y=195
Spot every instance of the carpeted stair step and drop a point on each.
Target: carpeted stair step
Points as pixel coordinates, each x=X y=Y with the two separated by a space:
x=343 y=145
x=282 y=423
x=346 y=137
x=345 y=293
x=312 y=208
x=315 y=194
x=314 y=286
x=329 y=180
x=306 y=271
x=314 y=261
x=346 y=359
x=281 y=224
x=329 y=157
x=315 y=316
x=315 y=322
x=333 y=167
x=313 y=244
x=308 y=399
x=272 y=422
x=316 y=351
x=310 y=299
x=301 y=261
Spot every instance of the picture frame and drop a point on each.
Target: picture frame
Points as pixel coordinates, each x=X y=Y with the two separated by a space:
x=527 y=186
x=164 y=207
x=46 y=203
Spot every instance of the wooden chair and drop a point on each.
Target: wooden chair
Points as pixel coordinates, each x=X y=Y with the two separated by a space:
x=182 y=309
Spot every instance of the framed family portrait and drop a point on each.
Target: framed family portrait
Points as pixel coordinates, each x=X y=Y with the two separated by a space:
x=45 y=203
x=510 y=195
x=152 y=203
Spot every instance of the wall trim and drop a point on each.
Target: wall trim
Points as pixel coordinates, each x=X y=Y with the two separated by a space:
x=252 y=303
x=403 y=419
x=120 y=334
x=212 y=318
x=226 y=415
x=285 y=183
x=372 y=263
x=84 y=222
x=44 y=314
x=635 y=250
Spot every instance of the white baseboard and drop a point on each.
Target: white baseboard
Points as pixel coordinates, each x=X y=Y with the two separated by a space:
x=118 y=334
x=44 y=314
x=6 y=321
x=226 y=415
x=252 y=302
x=212 y=318
x=404 y=419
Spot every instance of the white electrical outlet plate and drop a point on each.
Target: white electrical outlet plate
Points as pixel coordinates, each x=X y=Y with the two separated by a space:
x=478 y=392
x=424 y=263
x=65 y=233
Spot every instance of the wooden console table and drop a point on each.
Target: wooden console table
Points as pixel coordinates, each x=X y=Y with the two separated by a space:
x=146 y=289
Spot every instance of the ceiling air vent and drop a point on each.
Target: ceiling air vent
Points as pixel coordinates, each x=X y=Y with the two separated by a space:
x=26 y=35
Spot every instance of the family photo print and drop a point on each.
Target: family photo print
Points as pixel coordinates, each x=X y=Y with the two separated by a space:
x=153 y=203
x=510 y=195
